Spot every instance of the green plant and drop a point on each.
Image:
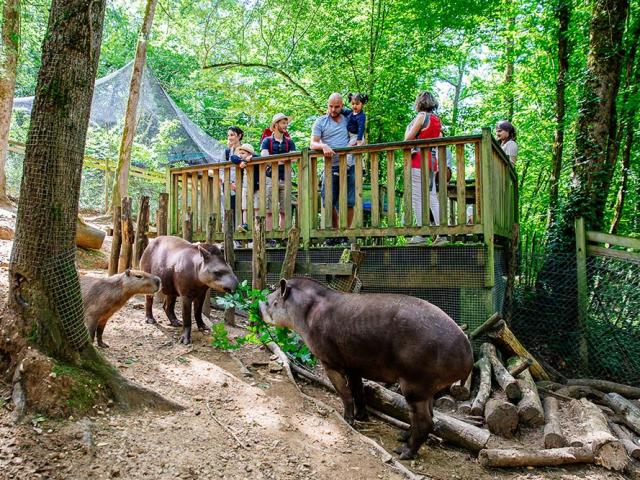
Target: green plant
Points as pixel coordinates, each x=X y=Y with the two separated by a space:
x=248 y=299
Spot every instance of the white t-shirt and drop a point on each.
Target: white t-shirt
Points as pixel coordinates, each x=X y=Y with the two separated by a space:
x=511 y=150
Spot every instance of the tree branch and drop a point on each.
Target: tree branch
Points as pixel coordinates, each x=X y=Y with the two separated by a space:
x=273 y=69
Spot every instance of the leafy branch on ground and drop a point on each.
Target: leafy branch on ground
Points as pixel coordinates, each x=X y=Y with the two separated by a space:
x=248 y=299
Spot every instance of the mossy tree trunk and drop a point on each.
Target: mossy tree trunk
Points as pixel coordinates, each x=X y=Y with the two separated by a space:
x=44 y=309
x=8 y=63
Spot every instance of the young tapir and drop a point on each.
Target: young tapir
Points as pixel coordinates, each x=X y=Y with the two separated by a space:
x=104 y=296
x=382 y=337
x=187 y=271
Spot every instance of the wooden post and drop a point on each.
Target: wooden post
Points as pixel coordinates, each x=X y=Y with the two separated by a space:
x=581 y=272
x=128 y=236
x=142 y=225
x=116 y=241
x=305 y=194
x=259 y=256
x=229 y=256
x=187 y=227
x=289 y=264
x=163 y=211
x=512 y=269
x=487 y=218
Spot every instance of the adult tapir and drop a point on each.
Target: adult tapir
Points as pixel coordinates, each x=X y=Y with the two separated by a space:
x=382 y=337
x=186 y=270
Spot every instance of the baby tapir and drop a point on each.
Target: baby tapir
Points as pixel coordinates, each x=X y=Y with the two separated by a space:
x=382 y=337
x=104 y=296
x=187 y=271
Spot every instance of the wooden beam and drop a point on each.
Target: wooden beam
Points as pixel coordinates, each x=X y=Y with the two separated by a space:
x=617 y=240
x=581 y=272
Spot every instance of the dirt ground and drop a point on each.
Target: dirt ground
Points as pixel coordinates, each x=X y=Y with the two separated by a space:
x=241 y=421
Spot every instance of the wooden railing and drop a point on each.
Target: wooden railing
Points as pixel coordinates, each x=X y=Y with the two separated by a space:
x=468 y=205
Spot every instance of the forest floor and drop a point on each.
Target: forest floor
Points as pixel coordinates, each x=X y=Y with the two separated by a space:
x=242 y=419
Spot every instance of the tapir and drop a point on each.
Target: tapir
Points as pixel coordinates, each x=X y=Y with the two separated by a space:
x=382 y=337
x=186 y=270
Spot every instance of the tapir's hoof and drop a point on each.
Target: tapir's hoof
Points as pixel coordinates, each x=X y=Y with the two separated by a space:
x=350 y=420
x=151 y=320
x=103 y=345
x=185 y=339
x=175 y=322
x=406 y=453
x=204 y=329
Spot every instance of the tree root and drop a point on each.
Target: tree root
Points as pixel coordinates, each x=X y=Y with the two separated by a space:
x=127 y=394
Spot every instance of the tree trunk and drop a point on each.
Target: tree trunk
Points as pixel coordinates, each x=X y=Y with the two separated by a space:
x=509 y=98
x=8 y=64
x=43 y=327
x=553 y=436
x=508 y=384
x=563 y=13
x=142 y=226
x=121 y=179
x=501 y=417
x=629 y=124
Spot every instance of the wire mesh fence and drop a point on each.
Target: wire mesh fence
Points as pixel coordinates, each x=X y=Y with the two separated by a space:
x=546 y=316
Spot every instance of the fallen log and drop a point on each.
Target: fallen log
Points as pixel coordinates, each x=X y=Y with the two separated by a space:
x=511 y=457
x=608 y=451
x=504 y=379
x=508 y=341
x=501 y=417
x=88 y=236
x=477 y=407
x=530 y=410
x=633 y=450
x=486 y=326
x=453 y=430
x=464 y=408
x=446 y=402
x=607 y=386
x=517 y=365
x=580 y=391
x=553 y=436
x=629 y=410
x=462 y=390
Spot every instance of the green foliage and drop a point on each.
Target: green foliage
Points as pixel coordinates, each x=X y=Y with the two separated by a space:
x=248 y=299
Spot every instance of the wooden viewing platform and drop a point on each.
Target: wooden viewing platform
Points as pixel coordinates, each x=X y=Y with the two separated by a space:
x=488 y=183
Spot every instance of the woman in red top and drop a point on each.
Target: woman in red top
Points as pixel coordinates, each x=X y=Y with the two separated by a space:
x=425 y=124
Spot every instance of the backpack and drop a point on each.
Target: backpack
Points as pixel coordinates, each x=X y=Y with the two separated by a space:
x=287 y=148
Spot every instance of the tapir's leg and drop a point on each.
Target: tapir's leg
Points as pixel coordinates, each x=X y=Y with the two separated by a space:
x=169 y=306
x=421 y=426
x=357 y=391
x=148 y=307
x=186 y=320
x=198 y=302
x=339 y=381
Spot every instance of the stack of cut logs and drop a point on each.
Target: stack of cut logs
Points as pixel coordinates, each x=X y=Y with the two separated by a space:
x=581 y=421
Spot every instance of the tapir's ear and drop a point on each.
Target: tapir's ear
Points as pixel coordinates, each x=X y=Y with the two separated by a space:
x=127 y=272
x=285 y=289
x=203 y=251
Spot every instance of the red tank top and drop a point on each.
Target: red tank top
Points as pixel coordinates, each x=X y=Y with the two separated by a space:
x=431 y=128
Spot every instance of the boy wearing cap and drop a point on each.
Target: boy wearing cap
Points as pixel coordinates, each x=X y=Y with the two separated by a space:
x=277 y=144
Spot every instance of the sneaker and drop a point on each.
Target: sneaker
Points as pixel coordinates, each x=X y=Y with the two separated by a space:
x=237 y=244
x=417 y=240
x=332 y=242
x=440 y=240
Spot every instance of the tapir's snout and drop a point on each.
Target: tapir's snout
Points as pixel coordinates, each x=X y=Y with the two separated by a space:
x=264 y=313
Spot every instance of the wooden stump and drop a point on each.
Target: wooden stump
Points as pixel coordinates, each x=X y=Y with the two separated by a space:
x=446 y=402
x=116 y=242
x=608 y=451
x=230 y=258
x=291 y=254
x=512 y=457
x=88 y=236
x=462 y=390
x=128 y=236
x=484 y=391
x=163 y=214
x=530 y=409
x=501 y=417
x=142 y=226
x=504 y=379
x=553 y=437
x=259 y=256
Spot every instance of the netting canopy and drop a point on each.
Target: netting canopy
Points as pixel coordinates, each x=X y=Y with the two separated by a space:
x=190 y=143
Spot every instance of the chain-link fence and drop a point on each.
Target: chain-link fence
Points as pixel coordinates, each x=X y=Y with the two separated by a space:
x=546 y=316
